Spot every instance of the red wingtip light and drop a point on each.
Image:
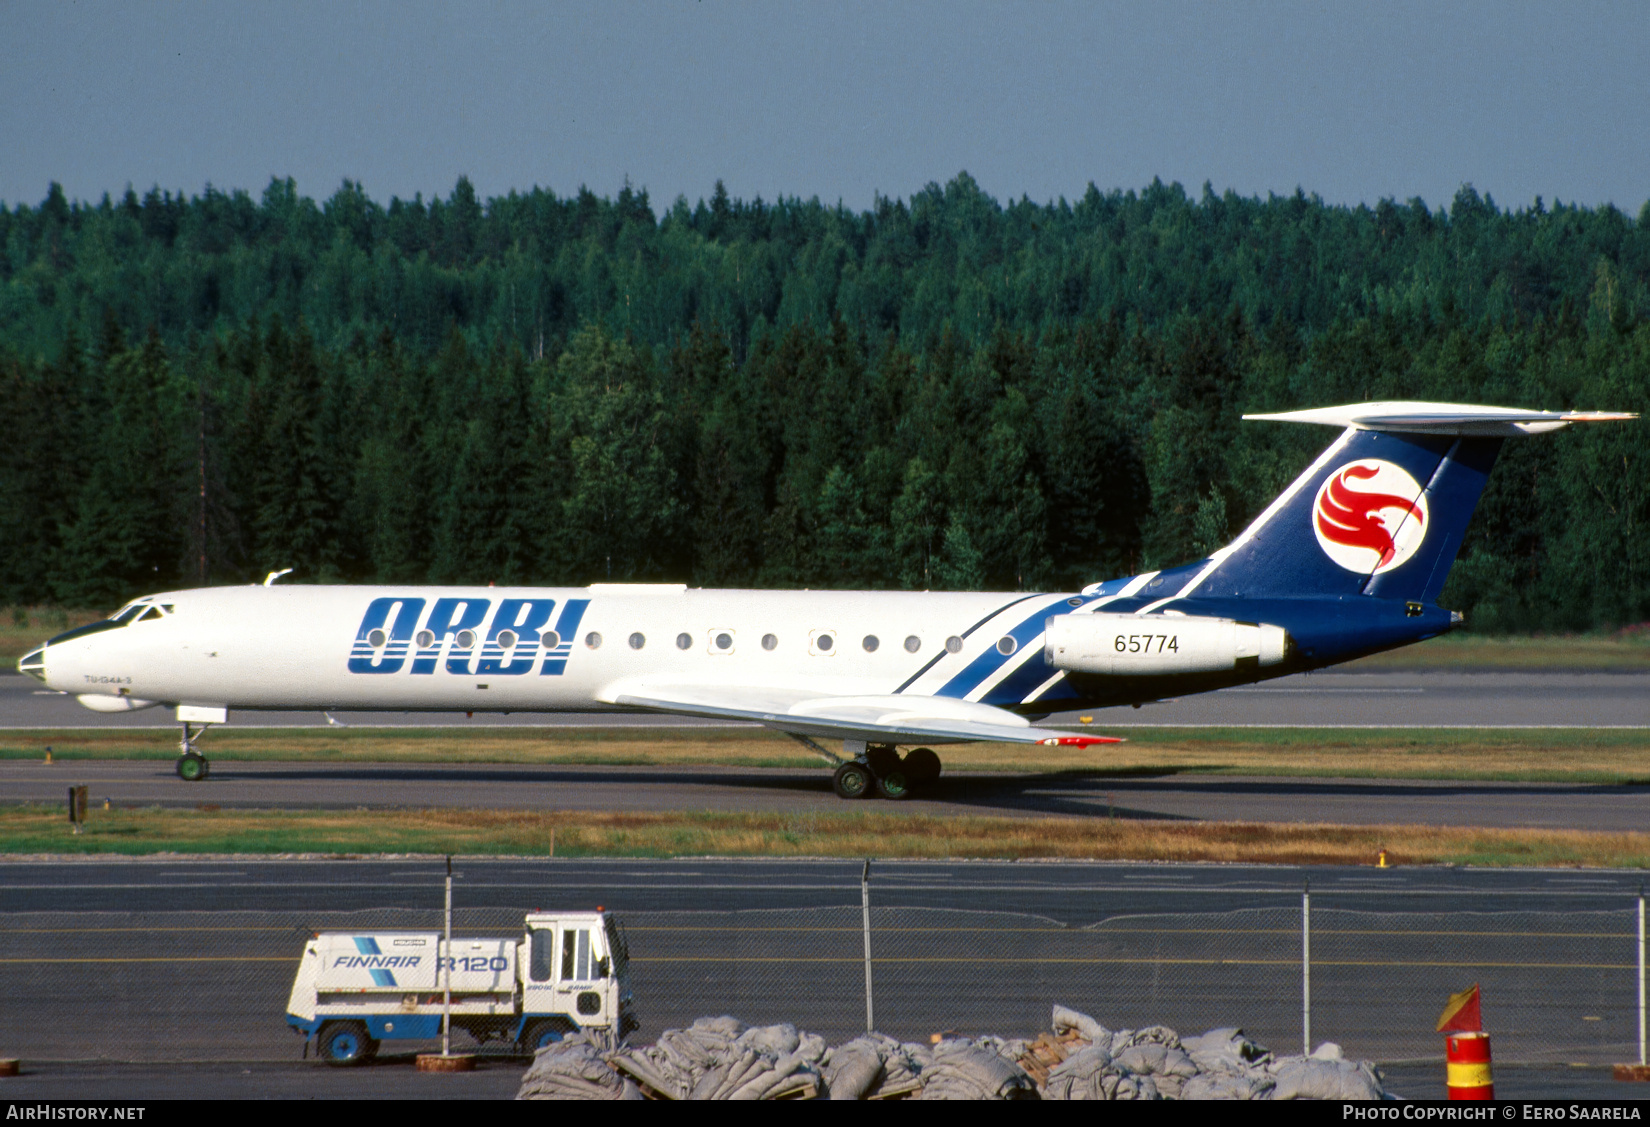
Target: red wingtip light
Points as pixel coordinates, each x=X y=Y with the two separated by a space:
x=1080 y=741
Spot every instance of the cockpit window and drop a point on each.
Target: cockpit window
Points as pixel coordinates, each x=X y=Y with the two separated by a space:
x=129 y=614
x=149 y=615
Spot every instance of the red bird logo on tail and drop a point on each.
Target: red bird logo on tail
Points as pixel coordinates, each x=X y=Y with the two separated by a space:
x=1374 y=521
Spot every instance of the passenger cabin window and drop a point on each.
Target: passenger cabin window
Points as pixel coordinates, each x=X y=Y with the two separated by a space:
x=769 y=641
x=577 y=965
x=541 y=954
x=684 y=641
x=913 y=644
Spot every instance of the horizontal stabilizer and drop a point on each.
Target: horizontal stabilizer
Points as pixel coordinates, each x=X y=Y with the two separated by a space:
x=1442 y=418
x=890 y=718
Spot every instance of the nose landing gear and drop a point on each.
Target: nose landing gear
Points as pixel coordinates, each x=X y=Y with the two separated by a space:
x=192 y=765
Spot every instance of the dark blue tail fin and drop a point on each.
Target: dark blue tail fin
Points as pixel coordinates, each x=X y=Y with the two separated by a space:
x=1380 y=513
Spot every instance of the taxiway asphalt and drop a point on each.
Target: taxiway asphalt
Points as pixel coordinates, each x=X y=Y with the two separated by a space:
x=1419 y=699
x=254 y=785
x=1073 y=893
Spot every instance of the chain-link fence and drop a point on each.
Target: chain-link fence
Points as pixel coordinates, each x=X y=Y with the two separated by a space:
x=1558 y=985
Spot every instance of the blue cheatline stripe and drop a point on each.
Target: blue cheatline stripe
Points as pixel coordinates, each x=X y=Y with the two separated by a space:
x=366 y=945
x=1110 y=587
x=933 y=661
x=383 y=978
x=1033 y=671
x=993 y=659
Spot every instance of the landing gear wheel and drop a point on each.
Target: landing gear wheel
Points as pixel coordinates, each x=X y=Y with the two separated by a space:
x=192 y=768
x=852 y=780
x=345 y=1043
x=542 y=1034
x=894 y=785
x=881 y=759
x=921 y=765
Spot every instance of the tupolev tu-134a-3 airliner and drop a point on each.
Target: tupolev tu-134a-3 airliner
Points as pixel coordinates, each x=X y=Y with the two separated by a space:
x=1348 y=561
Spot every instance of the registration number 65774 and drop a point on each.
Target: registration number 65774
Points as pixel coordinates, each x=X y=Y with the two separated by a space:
x=1146 y=643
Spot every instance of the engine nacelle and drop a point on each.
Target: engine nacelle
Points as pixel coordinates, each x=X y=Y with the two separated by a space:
x=1147 y=645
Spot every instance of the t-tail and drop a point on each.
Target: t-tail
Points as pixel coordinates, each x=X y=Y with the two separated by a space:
x=1387 y=504
x=1352 y=557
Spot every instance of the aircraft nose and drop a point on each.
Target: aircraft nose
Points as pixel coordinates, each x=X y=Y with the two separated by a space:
x=33 y=663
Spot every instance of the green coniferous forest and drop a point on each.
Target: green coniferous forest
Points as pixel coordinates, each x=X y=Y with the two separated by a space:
x=944 y=392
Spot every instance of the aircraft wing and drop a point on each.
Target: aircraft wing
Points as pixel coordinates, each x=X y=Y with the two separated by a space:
x=890 y=718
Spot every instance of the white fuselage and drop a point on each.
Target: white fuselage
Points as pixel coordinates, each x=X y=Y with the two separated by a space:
x=310 y=647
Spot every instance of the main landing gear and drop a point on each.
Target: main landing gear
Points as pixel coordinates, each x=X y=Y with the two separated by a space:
x=192 y=765
x=881 y=768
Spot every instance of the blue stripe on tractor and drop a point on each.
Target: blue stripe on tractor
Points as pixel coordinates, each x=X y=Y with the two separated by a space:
x=382 y=978
x=396 y=1027
x=366 y=945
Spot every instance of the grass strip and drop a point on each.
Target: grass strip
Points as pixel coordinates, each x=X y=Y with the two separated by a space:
x=44 y=829
x=1615 y=756
x=1624 y=651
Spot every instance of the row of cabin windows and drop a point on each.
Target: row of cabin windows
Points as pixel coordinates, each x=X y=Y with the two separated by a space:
x=722 y=642
x=823 y=643
x=466 y=639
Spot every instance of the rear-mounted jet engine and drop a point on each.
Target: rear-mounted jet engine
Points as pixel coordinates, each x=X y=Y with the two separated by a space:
x=1125 y=644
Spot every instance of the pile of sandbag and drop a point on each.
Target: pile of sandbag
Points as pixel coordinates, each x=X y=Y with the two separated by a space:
x=575 y=1068
x=721 y=1058
x=874 y=1067
x=1083 y=1060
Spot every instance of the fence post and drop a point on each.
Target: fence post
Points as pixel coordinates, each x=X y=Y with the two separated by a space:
x=1306 y=968
x=865 y=912
x=1642 y=1061
x=447 y=970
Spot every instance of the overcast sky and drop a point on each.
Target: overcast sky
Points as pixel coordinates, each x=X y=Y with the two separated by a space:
x=841 y=100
